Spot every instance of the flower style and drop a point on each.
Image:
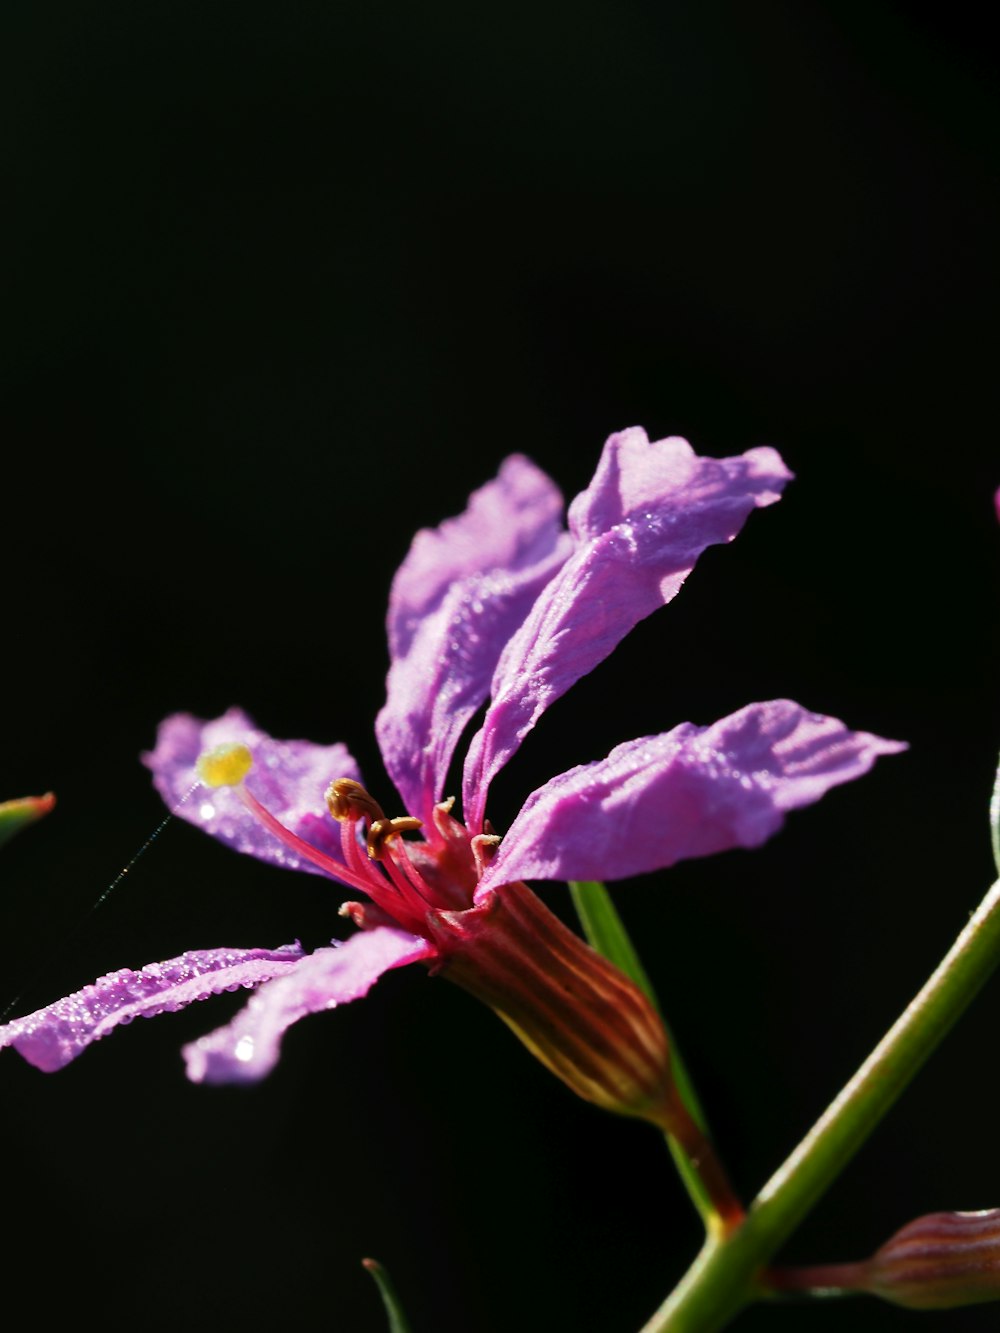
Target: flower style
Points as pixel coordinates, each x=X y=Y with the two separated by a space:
x=501 y=605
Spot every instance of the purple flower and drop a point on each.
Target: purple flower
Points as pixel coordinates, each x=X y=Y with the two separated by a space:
x=500 y=604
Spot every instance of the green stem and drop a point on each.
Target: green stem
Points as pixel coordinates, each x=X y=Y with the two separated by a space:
x=726 y=1275
x=605 y=932
x=394 y=1311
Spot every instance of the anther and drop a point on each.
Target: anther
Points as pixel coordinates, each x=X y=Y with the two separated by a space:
x=484 y=848
x=384 y=829
x=347 y=799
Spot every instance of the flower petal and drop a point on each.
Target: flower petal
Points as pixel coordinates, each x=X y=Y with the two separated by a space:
x=289 y=778
x=247 y=1048
x=51 y=1037
x=689 y=792
x=459 y=595
x=639 y=528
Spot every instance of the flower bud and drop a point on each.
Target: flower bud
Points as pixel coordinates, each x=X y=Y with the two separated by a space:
x=939 y=1261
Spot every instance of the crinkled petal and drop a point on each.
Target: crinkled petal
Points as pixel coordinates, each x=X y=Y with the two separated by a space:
x=461 y=592
x=289 y=778
x=51 y=1037
x=639 y=528
x=688 y=792
x=247 y=1049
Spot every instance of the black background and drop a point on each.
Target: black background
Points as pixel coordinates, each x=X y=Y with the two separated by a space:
x=282 y=285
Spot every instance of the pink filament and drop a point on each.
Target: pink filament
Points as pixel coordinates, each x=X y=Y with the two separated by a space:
x=347 y=875
x=405 y=894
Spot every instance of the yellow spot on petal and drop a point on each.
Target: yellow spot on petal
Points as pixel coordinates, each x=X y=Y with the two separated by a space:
x=224 y=766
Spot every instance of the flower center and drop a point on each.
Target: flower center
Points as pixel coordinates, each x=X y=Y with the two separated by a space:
x=405 y=880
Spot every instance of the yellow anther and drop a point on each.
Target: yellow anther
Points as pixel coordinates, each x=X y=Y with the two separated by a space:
x=224 y=765
x=384 y=829
x=347 y=799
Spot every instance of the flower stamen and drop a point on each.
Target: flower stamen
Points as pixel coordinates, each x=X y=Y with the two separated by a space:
x=349 y=803
x=384 y=829
x=399 y=863
x=227 y=766
x=351 y=850
x=348 y=800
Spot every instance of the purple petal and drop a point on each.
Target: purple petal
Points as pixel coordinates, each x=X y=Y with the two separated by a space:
x=55 y=1035
x=689 y=792
x=289 y=778
x=247 y=1048
x=459 y=595
x=639 y=528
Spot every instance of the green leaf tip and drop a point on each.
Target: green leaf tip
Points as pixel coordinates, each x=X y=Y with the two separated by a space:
x=15 y=815
x=398 y=1322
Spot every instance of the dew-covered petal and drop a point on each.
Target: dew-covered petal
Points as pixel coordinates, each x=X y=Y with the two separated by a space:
x=638 y=529
x=289 y=778
x=509 y=523
x=247 y=1048
x=459 y=595
x=51 y=1037
x=689 y=792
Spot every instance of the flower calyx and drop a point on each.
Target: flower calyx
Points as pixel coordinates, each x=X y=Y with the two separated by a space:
x=573 y=1010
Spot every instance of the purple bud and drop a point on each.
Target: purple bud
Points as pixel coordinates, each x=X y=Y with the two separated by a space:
x=939 y=1261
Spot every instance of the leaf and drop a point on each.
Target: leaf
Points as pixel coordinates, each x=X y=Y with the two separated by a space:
x=398 y=1322
x=15 y=815
x=995 y=821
